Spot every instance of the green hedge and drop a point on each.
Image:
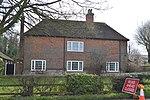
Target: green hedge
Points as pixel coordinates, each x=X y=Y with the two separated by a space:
x=71 y=84
x=84 y=83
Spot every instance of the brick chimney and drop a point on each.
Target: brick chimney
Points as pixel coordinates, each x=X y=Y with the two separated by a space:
x=90 y=16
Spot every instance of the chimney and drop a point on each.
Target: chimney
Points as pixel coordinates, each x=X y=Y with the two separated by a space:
x=90 y=16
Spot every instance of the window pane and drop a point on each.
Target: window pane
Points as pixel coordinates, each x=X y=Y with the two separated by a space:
x=74 y=65
x=32 y=64
x=44 y=64
x=112 y=64
x=68 y=45
x=75 y=46
x=112 y=67
x=69 y=65
x=117 y=67
x=81 y=46
x=80 y=65
x=107 y=66
x=38 y=65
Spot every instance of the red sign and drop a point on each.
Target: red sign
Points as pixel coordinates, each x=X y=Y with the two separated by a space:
x=130 y=85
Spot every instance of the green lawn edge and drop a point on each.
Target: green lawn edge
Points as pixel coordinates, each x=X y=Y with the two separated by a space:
x=74 y=97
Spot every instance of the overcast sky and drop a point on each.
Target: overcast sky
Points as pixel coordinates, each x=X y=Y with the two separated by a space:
x=126 y=16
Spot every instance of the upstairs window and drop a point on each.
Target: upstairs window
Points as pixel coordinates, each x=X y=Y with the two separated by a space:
x=38 y=65
x=112 y=66
x=75 y=46
x=74 y=65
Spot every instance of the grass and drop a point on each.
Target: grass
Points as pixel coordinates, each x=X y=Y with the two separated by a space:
x=79 y=97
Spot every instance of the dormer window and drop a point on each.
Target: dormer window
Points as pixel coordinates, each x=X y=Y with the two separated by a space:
x=75 y=46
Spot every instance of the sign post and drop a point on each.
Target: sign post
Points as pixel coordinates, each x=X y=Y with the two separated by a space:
x=130 y=85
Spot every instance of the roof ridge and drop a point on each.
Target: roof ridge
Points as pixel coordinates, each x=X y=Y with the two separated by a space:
x=74 y=29
x=71 y=20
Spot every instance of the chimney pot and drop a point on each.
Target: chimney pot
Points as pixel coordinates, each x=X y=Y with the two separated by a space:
x=90 y=16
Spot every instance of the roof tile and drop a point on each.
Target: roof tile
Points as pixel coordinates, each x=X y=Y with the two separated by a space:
x=75 y=29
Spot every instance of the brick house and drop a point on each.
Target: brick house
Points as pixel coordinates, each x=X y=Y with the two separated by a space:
x=55 y=47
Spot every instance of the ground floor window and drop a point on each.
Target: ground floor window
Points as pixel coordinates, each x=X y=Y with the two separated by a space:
x=38 y=65
x=112 y=66
x=74 y=65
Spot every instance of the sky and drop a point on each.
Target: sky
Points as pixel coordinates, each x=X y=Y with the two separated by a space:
x=125 y=16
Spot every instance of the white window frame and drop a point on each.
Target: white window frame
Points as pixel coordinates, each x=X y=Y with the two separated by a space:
x=116 y=69
x=80 y=46
x=71 y=61
x=33 y=67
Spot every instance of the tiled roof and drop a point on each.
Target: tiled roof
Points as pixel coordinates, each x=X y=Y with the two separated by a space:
x=2 y=55
x=75 y=29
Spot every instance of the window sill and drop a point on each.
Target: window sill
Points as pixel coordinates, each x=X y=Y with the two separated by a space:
x=74 y=71
x=112 y=71
x=38 y=70
x=74 y=51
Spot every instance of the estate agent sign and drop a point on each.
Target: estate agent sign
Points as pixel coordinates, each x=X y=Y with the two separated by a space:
x=130 y=85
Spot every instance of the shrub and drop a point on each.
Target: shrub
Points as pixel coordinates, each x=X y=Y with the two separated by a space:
x=147 y=65
x=118 y=83
x=1 y=67
x=84 y=83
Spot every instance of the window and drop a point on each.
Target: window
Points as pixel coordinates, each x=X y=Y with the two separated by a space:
x=112 y=66
x=75 y=46
x=74 y=65
x=38 y=65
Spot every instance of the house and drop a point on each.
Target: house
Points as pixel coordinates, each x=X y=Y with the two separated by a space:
x=5 y=58
x=8 y=64
x=55 y=47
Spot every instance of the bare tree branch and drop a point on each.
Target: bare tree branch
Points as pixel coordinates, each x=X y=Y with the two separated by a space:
x=36 y=10
x=143 y=37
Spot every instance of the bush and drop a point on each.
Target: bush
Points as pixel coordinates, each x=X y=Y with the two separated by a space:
x=84 y=83
x=118 y=83
x=147 y=65
x=1 y=67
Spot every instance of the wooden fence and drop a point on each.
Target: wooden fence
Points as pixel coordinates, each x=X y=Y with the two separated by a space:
x=36 y=85
x=45 y=85
x=30 y=91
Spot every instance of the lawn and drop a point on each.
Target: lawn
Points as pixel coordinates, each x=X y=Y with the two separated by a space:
x=79 y=97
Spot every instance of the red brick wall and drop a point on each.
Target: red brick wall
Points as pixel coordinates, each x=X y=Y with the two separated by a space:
x=55 y=52
x=111 y=48
x=49 y=49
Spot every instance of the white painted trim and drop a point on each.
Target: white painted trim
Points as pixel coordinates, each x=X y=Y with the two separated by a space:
x=108 y=67
x=5 y=68
x=14 y=69
x=78 y=66
x=71 y=49
x=34 y=69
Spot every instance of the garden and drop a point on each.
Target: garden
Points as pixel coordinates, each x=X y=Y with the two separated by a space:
x=69 y=87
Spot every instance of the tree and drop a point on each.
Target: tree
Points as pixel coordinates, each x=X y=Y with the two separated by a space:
x=134 y=55
x=35 y=10
x=143 y=37
x=9 y=43
x=13 y=46
x=97 y=60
